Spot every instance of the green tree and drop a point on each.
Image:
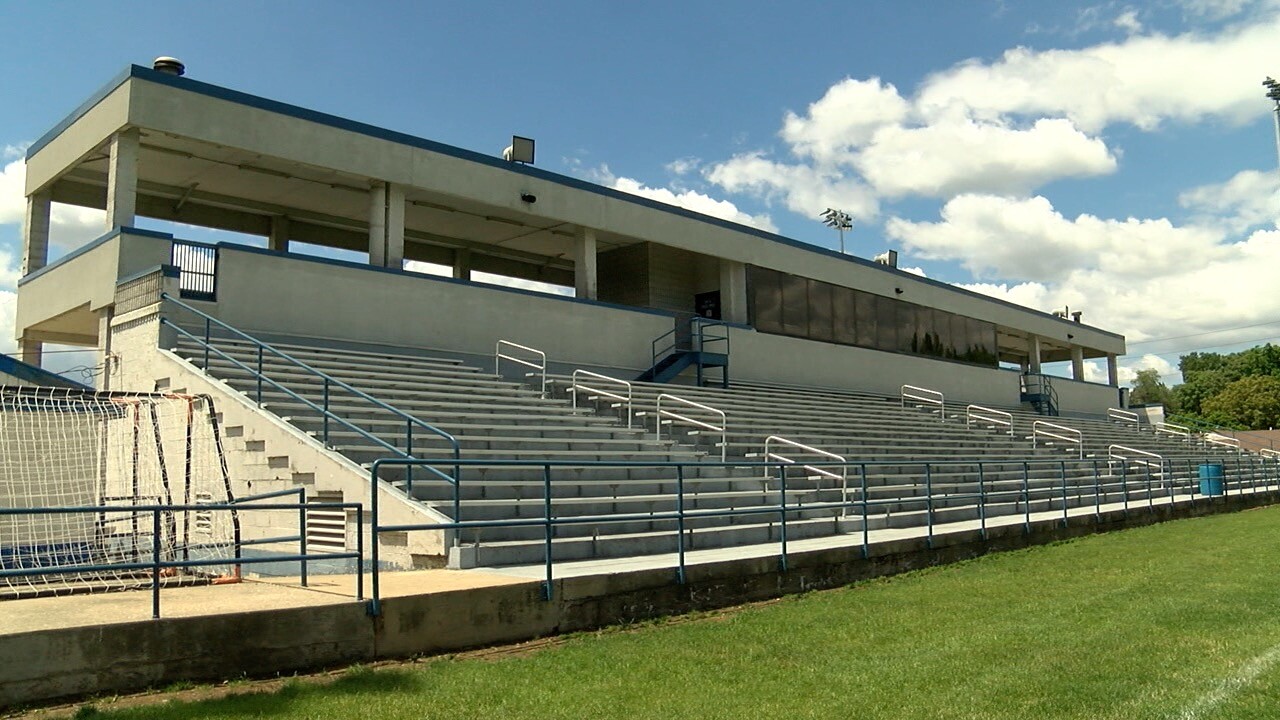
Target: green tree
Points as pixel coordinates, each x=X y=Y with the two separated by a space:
x=1252 y=402
x=1149 y=389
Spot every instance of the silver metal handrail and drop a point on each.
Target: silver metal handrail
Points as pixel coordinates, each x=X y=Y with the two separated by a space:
x=1123 y=454
x=672 y=417
x=1063 y=433
x=600 y=392
x=926 y=396
x=1222 y=441
x=988 y=415
x=1125 y=416
x=1164 y=428
x=1269 y=453
x=842 y=476
x=540 y=366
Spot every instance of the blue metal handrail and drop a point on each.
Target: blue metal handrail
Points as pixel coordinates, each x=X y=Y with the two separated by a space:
x=987 y=490
x=325 y=412
x=156 y=565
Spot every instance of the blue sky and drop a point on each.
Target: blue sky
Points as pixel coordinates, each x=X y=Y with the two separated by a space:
x=1118 y=158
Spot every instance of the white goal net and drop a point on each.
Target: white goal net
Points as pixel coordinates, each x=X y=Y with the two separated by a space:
x=92 y=487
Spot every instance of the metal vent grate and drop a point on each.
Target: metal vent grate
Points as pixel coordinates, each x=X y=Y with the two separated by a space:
x=326 y=527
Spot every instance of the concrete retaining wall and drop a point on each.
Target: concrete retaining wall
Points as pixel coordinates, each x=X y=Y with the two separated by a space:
x=133 y=656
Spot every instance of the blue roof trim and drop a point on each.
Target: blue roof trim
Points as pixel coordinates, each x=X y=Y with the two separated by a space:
x=301 y=113
x=113 y=232
x=437 y=278
x=30 y=373
x=79 y=112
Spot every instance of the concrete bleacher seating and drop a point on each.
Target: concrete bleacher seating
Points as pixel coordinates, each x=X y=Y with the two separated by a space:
x=494 y=419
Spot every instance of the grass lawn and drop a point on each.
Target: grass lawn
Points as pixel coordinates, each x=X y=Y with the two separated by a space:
x=1180 y=620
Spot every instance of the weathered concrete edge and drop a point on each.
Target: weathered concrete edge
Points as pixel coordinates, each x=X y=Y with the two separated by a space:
x=75 y=662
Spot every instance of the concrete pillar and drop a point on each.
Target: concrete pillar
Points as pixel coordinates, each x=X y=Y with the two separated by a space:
x=1077 y=362
x=395 y=226
x=378 y=225
x=1113 y=370
x=35 y=233
x=279 y=238
x=462 y=264
x=386 y=225
x=1033 y=355
x=31 y=352
x=584 y=264
x=733 y=291
x=122 y=179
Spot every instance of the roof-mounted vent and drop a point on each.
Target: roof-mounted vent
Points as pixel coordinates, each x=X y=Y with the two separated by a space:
x=169 y=66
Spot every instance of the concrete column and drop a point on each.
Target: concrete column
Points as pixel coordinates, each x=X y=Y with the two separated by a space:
x=1077 y=362
x=35 y=233
x=279 y=238
x=122 y=179
x=395 y=227
x=1113 y=370
x=31 y=352
x=378 y=225
x=1034 y=354
x=733 y=291
x=584 y=264
x=462 y=264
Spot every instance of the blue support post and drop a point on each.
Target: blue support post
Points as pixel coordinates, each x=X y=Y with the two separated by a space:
x=782 y=513
x=546 y=509
x=866 y=531
x=155 y=564
x=928 y=506
x=982 y=500
x=680 y=575
x=1026 y=499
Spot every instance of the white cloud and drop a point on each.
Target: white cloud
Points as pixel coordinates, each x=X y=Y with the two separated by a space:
x=963 y=155
x=847 y=116
x=1249 y=199
x=683 y=166
x=695 y=201
x=70 y=226
x=1009 y=238
x=1128 y=21
x=1142 y=278
x=1007 y=126
x=1127 y=81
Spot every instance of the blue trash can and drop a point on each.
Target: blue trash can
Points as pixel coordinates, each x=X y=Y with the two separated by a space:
x=1211 y=479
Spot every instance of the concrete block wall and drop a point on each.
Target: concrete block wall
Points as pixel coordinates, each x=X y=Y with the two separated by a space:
x=264 y=452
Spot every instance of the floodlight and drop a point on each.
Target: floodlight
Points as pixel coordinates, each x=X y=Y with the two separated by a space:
x=520 y=150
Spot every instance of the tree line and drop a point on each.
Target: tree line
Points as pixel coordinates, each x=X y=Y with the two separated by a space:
x=1238 y=390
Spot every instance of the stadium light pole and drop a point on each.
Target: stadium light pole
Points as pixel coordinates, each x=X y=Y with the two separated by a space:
x=1273 y=93
x=840 y=220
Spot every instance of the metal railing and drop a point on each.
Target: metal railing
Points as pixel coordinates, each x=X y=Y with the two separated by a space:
x=925 y=396
x=1269 y=453
x=1214 y=438
x=540 y=365
x=1180 y=431
x=667 y=417
x=1125 y=416
x=771 y=456
x=598 y=392
x=990 y=416
x=154 y=563
x=328 y=384
x=1043 y=489
x=1134 y=456
x=1059 y=433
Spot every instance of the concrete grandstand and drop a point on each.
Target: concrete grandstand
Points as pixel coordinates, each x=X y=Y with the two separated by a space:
x=323 y=365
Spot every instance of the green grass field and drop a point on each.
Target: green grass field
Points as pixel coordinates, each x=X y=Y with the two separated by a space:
x=1180 y=620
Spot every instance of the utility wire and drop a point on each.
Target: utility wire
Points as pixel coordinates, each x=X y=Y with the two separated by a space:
x=1207 y=332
